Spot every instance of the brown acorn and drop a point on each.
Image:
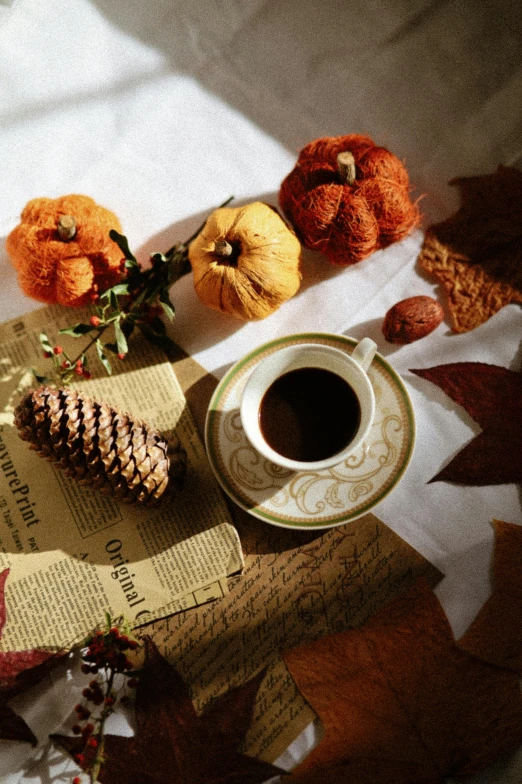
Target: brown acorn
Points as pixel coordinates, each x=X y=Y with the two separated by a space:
x=101 y=447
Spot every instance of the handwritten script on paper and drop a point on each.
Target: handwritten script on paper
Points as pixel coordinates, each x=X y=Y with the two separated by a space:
x=283 y=599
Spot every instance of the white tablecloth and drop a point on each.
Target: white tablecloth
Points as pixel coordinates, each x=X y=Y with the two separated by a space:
x=161 y=110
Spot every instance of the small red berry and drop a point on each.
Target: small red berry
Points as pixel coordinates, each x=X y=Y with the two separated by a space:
x=78 y=370
x=76 y=780
x=87 y=693
x=47 y=354
x=94 y=321
x=121 y=355
x=109 y=700
x=80 y=759
x=58 y=350
x=93 y=743
x=65 y=364
x=87 y=374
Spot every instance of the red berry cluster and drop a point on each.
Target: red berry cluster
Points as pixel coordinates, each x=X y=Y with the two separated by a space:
x=66 y=366
x=107 y=649
x=106 y=657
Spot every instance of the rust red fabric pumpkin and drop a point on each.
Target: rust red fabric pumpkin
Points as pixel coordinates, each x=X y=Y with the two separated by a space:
x=348 y=197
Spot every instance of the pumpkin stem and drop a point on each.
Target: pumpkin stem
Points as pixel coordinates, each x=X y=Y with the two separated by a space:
x=223 y=248
x=66 y=227
x=346 y=167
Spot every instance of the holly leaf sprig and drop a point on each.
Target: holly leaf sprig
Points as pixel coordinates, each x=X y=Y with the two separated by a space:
x=138 y=301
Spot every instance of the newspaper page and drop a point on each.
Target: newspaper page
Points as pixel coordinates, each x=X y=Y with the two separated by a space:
x=281 y=600
x=74 y=554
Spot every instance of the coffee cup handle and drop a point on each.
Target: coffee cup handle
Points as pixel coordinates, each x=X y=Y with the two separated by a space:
x=364 y=353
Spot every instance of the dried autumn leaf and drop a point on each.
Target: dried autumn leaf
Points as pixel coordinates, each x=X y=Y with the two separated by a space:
x=492 y=396
x=496 y=633
x=401 y=703
x=19 y=671
x=172 y=744
x=476 y=254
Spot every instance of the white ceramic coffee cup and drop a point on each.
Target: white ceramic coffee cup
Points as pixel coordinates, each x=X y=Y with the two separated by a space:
x=351 y=368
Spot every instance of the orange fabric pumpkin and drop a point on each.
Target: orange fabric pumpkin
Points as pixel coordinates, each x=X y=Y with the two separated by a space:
x=62 y=250
x=347 y=197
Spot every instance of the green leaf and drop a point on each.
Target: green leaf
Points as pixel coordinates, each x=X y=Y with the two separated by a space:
x=121 y=340
x=166 y=304
x=115 y=291
x=120 y=288
x=162 y=341
x=123 y=244
x=157 y=326
x=39 y=377
x=77 y=331
x=44 y=342
x=102 y=356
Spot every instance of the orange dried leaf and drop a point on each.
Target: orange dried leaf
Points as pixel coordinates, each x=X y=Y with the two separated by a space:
x=401 y=703
x=476 y=254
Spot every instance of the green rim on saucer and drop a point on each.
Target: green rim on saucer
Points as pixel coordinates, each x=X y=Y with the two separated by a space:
x=310 y=499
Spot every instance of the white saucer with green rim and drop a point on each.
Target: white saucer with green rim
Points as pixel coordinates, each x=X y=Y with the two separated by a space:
x=310 y=499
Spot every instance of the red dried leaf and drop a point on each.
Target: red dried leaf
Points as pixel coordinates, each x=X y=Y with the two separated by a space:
x=172 y=744
x=492 y=396
x=496 y=633
x=401 y=703
x=19 y=671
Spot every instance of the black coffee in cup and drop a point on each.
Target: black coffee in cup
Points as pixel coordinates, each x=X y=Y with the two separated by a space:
x=309 y=414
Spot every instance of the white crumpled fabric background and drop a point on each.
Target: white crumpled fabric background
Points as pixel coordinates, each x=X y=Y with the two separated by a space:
x=161 y=110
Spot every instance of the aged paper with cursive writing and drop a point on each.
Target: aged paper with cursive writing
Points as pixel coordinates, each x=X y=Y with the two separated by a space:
x=285 y=598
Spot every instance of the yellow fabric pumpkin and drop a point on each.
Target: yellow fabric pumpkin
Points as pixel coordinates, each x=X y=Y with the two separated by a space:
x=245 y=261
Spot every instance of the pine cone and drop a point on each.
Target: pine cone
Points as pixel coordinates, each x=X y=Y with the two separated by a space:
x=101 y=447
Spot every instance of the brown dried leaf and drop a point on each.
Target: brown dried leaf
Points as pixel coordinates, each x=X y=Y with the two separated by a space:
x=172 y=744
x=476 y=254
x=401 y=703
x=492 y=396
x=496 y=633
